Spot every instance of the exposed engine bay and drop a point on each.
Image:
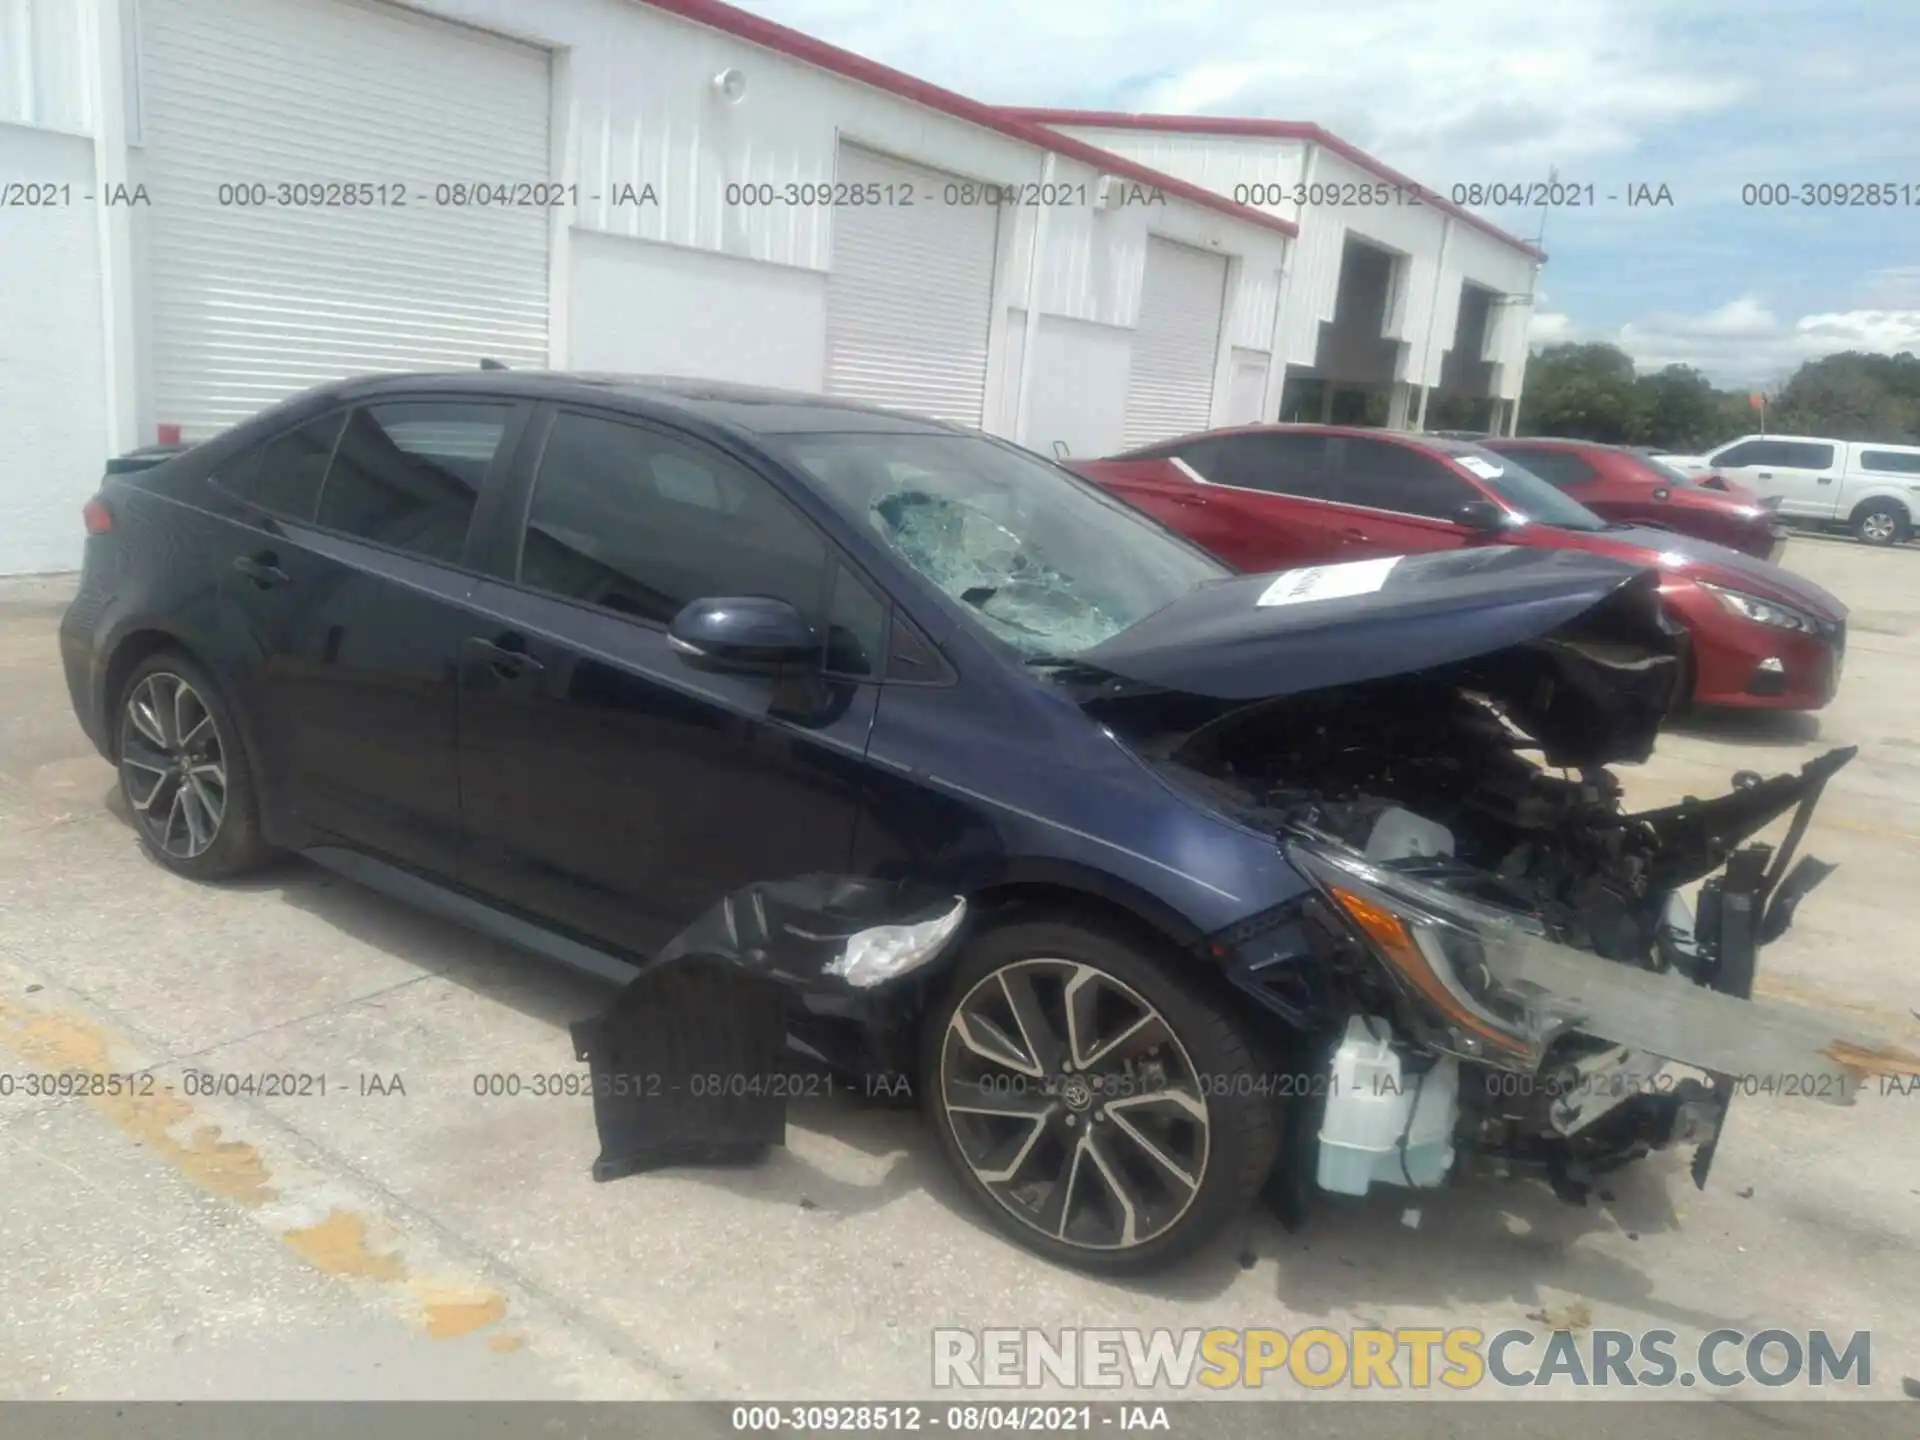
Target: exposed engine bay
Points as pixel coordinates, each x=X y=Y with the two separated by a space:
x=1557 y=845
x=1426 y=779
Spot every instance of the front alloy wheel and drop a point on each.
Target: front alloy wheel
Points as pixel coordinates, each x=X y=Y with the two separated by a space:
x=1074 y=1104
x=173 y=765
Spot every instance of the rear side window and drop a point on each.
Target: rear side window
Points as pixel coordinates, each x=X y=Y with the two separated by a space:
x=1895 y=462
x=1796 y=454
x=1385 y=476
x=408 y=474
x=640 y=522
x=1561 y=468
x=283 y=476
x=1279 y=464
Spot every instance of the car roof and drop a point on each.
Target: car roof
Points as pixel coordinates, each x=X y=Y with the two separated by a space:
x=1413 y=439
x=1567 y=442
x=748 y=409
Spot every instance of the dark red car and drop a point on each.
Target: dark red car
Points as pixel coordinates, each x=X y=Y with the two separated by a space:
x=1621 y=484
x=1270 y=497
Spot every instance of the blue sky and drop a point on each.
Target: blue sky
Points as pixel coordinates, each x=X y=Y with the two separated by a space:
x=1704 y=96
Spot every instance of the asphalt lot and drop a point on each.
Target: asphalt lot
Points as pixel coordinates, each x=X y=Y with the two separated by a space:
x=401 y=1237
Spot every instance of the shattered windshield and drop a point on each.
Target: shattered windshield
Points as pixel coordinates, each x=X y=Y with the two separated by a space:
x=1043 y=559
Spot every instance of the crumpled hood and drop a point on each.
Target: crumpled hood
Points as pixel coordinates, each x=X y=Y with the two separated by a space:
x=1573 y=644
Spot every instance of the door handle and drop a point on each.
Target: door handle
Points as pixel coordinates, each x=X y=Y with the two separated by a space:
x=1763 y=475
x=263 y=569
x=1194 y=502
x=1823 y=479
x=507 y=656
x=1352 y=532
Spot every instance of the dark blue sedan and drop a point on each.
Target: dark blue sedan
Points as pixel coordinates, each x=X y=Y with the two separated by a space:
x=855 y=744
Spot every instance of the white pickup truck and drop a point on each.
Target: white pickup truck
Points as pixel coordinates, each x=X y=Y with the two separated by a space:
x=1870 y=489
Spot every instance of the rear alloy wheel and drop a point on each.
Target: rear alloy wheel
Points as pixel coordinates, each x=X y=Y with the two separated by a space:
x=183 y=772
x=1881 y=523
x=1089 y=1100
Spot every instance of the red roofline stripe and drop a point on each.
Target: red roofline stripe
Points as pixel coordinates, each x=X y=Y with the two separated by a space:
x=755 y=30
x=1267 y=129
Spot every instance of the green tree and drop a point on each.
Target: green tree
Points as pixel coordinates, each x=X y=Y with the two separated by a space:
x=1580 y=391
x=1679 y=409
x=1853 y=396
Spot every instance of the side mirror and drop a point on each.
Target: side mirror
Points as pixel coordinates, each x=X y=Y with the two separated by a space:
x=1481 y=515
x=746 y=634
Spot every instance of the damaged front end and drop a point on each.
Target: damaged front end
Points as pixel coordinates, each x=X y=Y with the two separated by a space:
x=1495 y=957
x=1501 y=960
x=1579 y=1034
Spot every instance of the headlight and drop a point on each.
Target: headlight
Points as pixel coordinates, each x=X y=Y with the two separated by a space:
x=1764 y=612
x=1462 y=964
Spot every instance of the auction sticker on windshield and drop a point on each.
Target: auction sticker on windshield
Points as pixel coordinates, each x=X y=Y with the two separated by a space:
x=1329 y=582
x=1485 y=469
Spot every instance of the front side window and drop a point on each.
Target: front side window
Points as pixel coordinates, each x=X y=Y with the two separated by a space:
x=1041 y=559
x=1561 y=468
x=1667 y=475
x=1520 y=490
x=857 y=622
x=1735 y=456
x=408 y=474
x=283 y=476
x=641 y=522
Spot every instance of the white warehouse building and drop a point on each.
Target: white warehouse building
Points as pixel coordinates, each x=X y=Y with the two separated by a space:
x=211 y=204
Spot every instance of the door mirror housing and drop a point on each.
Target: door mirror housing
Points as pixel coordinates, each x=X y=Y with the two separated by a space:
x=744 y=634
x=1481 y=515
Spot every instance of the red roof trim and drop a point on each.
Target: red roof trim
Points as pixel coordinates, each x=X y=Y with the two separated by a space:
x=757 y=31
x=1269 y=129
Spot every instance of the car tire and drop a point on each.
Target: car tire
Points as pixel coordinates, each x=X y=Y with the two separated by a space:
x=184 y=772
x=1167 y=1138
x=1881 y=522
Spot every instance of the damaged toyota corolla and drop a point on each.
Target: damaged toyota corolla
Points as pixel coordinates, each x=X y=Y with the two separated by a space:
x=862 y=746
x=1175 y=886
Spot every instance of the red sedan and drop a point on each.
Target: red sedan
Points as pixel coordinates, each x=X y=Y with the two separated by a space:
x=1621 y=484
x=1271 y=497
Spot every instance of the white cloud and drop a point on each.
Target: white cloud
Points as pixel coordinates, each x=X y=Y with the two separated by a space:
x=1474 y=89
x=1550 y=327
x=1704 y=97
x=1743 y=342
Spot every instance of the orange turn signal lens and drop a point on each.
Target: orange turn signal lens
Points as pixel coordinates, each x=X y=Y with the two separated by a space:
x=1395 y=942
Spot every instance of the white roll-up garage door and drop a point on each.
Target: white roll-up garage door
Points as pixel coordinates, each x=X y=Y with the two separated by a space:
x=287 y=277
x=1170 y=382
x=910 y=293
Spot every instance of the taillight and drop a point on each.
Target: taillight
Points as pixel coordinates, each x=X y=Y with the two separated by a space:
x=98 y=517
